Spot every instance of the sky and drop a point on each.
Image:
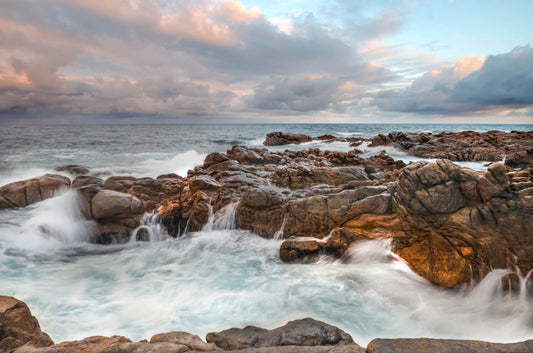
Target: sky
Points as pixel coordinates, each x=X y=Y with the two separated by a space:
x=293 y=61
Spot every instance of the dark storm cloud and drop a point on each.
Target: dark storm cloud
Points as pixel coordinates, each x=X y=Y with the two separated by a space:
x=503 y=81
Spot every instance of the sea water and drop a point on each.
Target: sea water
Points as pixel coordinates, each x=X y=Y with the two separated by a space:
x=219 y=277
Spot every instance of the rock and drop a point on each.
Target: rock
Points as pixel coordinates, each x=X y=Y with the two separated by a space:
x=307 y=332
x=262 y=198
x=300 y=175
x=308 y=217
x=213 y=159
x=18 y=327
x=85 y=180
x=261 y=210
x=325 y=137
x=203 y=182
x=344 y=205
x=192 y=342
x=87 y=187
x=300 y=250
x=27 y=192
x=409 y=345
x=108 y=204
x=430 y=188
x=145 y=347
x=236 y=338
x=465 y=146
x=304 y=332
x=282 y=138
x=119 y=183
x=436 y=259
x=495 y=182
x=93 y=344
x=296 y=349
x=73 y=169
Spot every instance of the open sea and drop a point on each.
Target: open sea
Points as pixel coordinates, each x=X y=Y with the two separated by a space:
x=219 y=277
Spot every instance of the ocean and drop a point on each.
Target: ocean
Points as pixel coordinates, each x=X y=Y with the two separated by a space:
x=219 y=277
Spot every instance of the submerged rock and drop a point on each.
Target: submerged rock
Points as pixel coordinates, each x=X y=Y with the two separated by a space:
x=74 y=169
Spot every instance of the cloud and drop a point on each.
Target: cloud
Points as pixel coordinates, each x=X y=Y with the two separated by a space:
x=184 y=57
x=473 y=85
x=219 y=58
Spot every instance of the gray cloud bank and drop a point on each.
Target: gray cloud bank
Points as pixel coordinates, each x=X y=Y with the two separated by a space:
x=216 y=58
x=504 y=81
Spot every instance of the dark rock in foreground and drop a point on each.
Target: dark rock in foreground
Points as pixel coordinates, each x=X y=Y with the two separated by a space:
x=304 y=332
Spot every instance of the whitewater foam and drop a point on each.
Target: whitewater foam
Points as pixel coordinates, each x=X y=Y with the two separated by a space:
x=50 y=224
x=212 y=280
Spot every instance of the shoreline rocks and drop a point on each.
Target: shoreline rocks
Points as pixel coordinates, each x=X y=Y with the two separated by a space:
x=450 y=224
x=20 y=333
x=516 y=147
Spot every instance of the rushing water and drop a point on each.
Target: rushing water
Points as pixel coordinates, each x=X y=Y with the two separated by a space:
x=221 y=276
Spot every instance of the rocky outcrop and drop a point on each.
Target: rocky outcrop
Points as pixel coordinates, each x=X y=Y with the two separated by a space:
x=451 y=224
x=18 y=327
x=409 y=345
x=24 y=193
x=463 y=224
x=492 y=146
x=282 y=138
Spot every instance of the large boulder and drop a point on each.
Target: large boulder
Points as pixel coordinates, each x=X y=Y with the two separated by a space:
x=18 y=327
x=109 y=205
x=26 y=192
x=282 y=138
x=462 y=223
x=304 y=332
